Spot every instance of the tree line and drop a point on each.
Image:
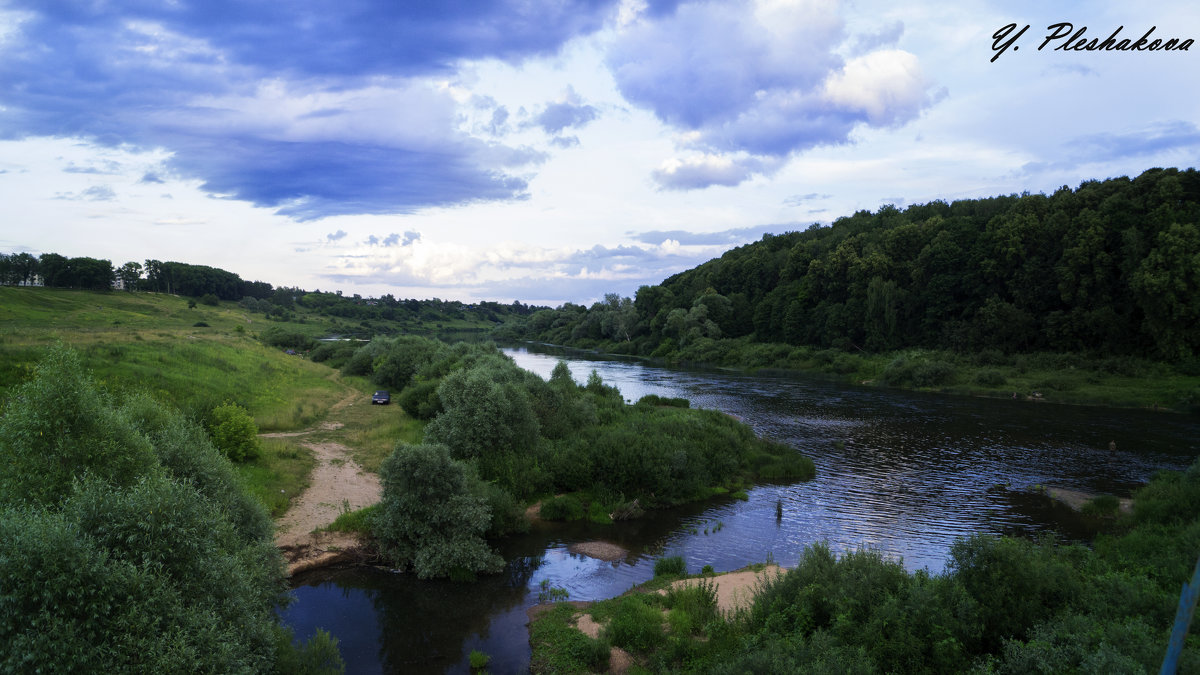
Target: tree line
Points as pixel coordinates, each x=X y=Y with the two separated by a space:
x=1111 y=267
x=215 y=284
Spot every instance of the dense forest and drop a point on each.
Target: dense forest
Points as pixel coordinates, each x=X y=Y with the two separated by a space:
x=1111 y=267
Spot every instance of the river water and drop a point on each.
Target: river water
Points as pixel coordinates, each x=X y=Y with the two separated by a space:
x=900 y=472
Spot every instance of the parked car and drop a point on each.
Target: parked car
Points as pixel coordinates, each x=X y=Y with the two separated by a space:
x=381 y=397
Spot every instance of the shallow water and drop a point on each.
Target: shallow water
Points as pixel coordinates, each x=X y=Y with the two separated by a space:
x=901 y=472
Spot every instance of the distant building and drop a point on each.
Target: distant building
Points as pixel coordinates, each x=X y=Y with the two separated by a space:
x=35 y=281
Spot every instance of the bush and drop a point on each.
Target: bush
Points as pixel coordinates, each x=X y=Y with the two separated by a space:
x=566 y=507
x=990 y=378
x=287 y=339
x=128 y=545
x=234 y=432
x=420 y=399
x=635 y=625
x=478 y=659
x=429 y=519
x=653 y=399
x=674 y=565
x=210 y=300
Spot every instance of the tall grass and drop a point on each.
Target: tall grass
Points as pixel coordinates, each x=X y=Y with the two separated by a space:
x=279 y=474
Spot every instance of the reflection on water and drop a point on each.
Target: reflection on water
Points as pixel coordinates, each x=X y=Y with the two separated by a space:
x=900 y=472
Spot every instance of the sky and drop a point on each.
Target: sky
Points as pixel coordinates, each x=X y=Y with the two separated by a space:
x=550 y=150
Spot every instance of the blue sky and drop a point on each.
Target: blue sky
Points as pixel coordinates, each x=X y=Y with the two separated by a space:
x=546 y=150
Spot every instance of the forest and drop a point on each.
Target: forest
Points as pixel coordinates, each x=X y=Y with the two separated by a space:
x=1109 y=268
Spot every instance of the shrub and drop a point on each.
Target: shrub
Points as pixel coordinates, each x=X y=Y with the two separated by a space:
x=1104 y=505
x=653 y=399
x=145 y=554
x=429 y=519
x=286 y=339
x=932 y=374
x=478 y=659
x=234 y=432
x=990 y=378
x=635 y=625
x=420 y=399
x=200 y=324
x=210 y=300
x=566 y=507
x=671 y=565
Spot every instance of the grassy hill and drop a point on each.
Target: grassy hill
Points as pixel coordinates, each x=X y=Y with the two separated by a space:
x=194 y=358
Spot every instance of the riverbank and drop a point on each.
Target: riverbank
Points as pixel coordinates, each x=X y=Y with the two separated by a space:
x=1114 y=382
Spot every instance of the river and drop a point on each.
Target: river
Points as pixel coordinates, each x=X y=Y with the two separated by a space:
x=901 y=472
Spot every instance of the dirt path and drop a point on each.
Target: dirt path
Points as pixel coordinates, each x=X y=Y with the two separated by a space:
x=337 y=484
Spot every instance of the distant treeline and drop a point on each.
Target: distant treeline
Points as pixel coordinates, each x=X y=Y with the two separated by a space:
x=1111 y=267
x=202 y=281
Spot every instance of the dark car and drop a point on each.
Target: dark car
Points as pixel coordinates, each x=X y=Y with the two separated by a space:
x=381 y=397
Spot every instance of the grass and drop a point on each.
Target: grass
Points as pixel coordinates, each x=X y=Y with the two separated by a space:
x=354 y=522
x=372 y=431
x=279 y=474
x=148 y=342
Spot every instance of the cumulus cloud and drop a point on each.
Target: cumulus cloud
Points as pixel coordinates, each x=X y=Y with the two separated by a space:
x=335 y=236
x=762 y=78
x=308 y=110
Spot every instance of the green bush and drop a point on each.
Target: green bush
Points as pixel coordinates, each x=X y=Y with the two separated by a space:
x=990 y=378
x=653 y=399
x=420 y=399
x=276 y=336
x=128 y=545
x=210 y=300
x=673 y=565
x=234 y=432
x=635 y=625
x=429 y=519
x=566 y=507
x=478 y=659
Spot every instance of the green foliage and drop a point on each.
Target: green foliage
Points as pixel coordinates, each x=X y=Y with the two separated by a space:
x=671 y=565
x=1104 y=505
x=234 y=432
x=132 y=546
x=559 y=648
x=58 y=425
x=358 y=521
x=318 y=656
x=210 y=299
x=654 y=399
x=420 y=399
x=990 y=378
x=429 y=519
x=635 y=625
x=478 y=659
x=277 y=336
x=1108 y=269
x=565 y=507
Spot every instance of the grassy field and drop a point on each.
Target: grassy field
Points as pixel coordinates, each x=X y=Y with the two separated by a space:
x=151 y=342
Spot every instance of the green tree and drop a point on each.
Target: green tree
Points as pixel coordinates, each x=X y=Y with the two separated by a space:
x=130 y=274
x=429 y=519
x=126 y=545
x=234 y=432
